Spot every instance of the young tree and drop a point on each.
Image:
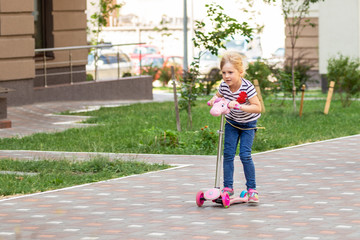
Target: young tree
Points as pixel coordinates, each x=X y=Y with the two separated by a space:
x=163 y=30
x=100 y=18
x=295 y=12
x=222 y=27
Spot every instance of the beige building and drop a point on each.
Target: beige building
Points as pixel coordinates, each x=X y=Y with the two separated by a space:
x=29 y=25
x=336 y=31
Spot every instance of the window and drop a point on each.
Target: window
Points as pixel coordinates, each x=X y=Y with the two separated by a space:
x=43 y=24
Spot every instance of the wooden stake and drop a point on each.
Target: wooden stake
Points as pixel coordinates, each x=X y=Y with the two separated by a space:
x=178 y=125
x=257 y=87
x=302 y=99
x=329 y=96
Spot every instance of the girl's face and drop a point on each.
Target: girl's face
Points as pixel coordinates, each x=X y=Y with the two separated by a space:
x=231 y=75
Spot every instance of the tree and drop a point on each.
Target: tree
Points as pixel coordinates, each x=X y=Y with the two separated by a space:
x=100 y=18
x=164 y=30
x=222 y=27
x=295 y=12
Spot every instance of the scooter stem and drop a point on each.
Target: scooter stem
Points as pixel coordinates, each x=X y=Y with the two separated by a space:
x=219 y=153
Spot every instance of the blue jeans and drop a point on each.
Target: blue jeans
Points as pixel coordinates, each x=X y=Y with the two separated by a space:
x=232 y=137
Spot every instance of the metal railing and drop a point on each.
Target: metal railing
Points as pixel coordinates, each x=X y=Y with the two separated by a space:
x=71 y=62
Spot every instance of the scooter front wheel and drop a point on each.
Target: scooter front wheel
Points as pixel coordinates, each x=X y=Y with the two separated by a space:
x=200 y=198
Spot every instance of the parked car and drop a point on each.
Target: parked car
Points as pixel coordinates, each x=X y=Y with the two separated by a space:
x=208 y=64
x=277 y=58
x=158 y=62
x=141 y=51
x=250 y=49
x=108 y=65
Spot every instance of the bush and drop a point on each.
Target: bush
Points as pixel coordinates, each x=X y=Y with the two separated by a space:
x=149 y=70
x=89 y=77
x=262 y=72
x=165 y=74
x=210 y=80
x=346 y=75
x=284 y=77
x=126 y=74
x=301 y=74
x=206 y=140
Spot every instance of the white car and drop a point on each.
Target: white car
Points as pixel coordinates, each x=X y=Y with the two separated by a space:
x=277 y=58
x=110 y=64
x=209 y=63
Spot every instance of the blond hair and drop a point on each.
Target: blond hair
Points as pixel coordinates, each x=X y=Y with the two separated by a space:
x=236 y=59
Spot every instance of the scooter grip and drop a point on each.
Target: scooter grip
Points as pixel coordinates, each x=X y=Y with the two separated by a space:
x=208 y=103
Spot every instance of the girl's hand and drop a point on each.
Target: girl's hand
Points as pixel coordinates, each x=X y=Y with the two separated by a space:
x=212 y=100
x=234 y=105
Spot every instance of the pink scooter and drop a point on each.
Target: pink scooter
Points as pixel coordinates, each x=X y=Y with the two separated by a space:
x=220 y=107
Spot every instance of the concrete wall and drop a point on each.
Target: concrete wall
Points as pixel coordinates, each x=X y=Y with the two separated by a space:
x=339 y=30
x=131 y=88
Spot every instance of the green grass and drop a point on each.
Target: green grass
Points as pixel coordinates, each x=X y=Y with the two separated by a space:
x=140 y=128
x=64 y=173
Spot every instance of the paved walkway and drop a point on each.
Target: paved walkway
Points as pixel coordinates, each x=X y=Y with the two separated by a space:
x=307 y=192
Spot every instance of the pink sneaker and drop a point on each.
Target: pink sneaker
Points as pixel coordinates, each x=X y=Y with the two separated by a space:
x=253 y=196
x=229 y=191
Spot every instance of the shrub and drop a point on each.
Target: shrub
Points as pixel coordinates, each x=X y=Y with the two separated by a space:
x=150 y=70
x=284 y=77
x=165 y=74
x=262 y=72
x=89 y=77
x=346 y=75
x=301 y=74
x=206 y=139
x=126 y=74
x=210 y=80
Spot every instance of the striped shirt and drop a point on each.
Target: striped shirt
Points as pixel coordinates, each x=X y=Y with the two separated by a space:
x=239 y=115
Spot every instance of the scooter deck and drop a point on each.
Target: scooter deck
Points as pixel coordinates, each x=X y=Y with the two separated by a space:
x=233 y=200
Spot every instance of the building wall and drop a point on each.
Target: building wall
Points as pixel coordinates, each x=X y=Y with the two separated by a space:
x=307 y=45
x=339 y=30
x=16 y=41
x=69 y=29
x=18 y=67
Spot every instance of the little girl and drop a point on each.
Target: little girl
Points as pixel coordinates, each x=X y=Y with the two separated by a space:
x=240 y=124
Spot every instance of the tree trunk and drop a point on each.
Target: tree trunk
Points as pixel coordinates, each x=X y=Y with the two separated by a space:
x=189 y=108
x=293 y=76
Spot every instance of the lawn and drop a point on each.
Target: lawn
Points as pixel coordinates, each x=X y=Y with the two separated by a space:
x=151 y=128
x=23 y=177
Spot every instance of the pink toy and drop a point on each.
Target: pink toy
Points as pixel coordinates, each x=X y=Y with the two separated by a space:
x=220 y=107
